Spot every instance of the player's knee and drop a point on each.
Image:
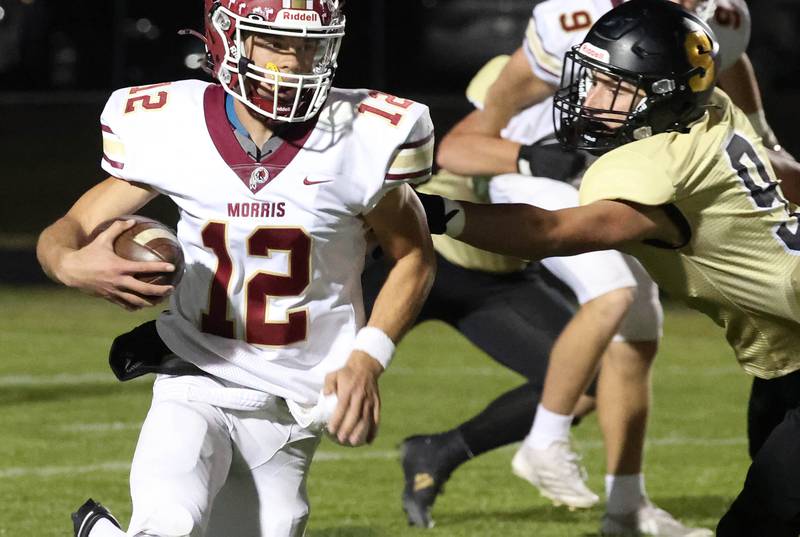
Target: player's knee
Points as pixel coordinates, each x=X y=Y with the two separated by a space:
x=615 y=303
x=288 y=519
x=168 y=521
x=631 y=360
x=643 y=324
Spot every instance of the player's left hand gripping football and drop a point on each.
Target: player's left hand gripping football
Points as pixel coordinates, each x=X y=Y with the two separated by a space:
x=96 y=269
x=355 y=420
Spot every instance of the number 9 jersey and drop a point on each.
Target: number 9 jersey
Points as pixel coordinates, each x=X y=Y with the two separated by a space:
x=558 y=25
x=271 y=299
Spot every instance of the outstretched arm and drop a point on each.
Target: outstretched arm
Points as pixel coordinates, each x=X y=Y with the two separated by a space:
x=530 y=232
x=399 y=225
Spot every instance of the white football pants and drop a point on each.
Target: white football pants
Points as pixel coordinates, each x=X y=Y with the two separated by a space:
x=218 y=470
x=592 y=274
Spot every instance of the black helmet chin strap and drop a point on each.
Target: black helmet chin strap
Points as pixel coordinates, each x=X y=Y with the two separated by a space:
x=244 y=65
x=208 y=66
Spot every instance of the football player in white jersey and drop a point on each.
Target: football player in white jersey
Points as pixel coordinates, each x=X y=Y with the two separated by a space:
x=277 y=177
x=497 y=140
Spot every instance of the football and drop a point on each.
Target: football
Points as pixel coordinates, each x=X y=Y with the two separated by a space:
x=149 y=240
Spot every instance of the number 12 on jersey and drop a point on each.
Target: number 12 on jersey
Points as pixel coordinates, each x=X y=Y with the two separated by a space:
x=260 y=286
x=378 y=99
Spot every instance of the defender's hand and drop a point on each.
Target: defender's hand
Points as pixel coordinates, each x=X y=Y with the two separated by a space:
x=355 y=420
x=97 y=270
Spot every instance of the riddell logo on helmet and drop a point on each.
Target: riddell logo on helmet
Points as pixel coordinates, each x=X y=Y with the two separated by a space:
x=297 y=15
x=596 y=53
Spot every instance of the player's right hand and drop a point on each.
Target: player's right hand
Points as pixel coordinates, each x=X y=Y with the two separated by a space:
x=355 y=419
x=97 y=270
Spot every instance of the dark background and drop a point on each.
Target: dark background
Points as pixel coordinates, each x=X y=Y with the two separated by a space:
x=60 y=59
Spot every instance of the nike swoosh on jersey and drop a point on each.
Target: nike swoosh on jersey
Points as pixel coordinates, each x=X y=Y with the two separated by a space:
x=307 y=182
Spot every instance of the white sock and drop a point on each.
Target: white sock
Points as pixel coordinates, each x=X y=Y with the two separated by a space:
x=548 y=427
x=625 y=493
x=105 y=528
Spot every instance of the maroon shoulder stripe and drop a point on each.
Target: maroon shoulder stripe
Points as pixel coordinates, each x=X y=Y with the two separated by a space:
x=113 y=163
x=418 y=143
x=413 y=175
x=541 y=66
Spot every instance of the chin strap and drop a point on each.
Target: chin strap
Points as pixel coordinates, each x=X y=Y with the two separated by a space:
x=244 y=66
x=193 y=33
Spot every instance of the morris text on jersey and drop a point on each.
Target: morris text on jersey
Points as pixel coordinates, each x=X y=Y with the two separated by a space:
x=263 y=209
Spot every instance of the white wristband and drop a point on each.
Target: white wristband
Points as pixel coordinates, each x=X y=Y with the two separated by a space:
x=376 y=343
x=455 y=225
x=524 y=167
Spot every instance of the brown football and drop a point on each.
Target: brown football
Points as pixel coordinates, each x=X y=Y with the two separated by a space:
x=149 y=240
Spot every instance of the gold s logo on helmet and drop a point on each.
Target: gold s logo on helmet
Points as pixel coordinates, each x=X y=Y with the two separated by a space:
x=700 y=52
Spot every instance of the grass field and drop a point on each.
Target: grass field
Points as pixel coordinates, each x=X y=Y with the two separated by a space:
x=68 y=430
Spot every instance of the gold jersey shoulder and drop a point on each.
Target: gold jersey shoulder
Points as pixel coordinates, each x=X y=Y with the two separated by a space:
x=459 y=253
x=740 y=265
x=484 y=78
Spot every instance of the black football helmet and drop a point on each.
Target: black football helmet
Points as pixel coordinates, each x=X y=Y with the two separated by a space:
x=664 y=54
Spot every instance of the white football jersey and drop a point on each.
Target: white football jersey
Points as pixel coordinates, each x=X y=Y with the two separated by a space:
x=271 y=298
x=731 y=25
x=558 y=25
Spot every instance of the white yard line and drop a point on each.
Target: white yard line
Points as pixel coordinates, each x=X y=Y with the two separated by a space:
x=99 y=427
x=125 y=466
x=673 y=441
x=462 y=371
x=8 y=381
x=355 y=455
x=468 y=371
x=103 y=377
x=50 y=471
x=587 y=444
x=334 y=456
x=731 y=369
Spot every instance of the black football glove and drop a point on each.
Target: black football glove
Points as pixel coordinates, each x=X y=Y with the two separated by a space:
x=550 y=160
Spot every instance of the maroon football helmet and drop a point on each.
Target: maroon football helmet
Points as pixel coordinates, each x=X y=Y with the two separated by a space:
x=293 y=97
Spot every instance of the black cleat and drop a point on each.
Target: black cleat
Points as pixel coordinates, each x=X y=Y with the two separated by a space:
x=87 y=515
x=427 y=465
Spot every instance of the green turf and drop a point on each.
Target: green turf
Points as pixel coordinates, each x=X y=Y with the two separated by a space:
x=67 y=430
